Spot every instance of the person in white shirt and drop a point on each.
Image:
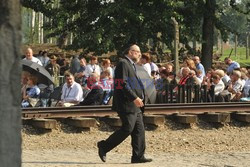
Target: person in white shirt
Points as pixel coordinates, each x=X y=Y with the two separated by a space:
x=93 y=67
x=218 y=84
x=106 y=66
x=236 y=86
x=145 y=60
x=246 y=88
x=72 y=93
x=44 y=58
x=29 y=56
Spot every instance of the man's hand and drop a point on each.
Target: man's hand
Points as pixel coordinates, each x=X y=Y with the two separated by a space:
x=138 y=102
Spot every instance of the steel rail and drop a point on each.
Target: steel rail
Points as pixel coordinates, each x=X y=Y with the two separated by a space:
x=109 y=106
x=78 y=111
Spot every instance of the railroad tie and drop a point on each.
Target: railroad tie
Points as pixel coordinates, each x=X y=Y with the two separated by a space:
x=185 y=118
x=113 y=121
x=156 y=120
x=217 y=117
x=241 y=116
x=82 y=122
x=48 y=124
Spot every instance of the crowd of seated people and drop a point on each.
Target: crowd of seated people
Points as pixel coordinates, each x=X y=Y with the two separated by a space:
x=91 y=82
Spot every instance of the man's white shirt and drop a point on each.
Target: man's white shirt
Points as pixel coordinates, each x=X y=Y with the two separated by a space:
x=35 y=60
x=92 y=69
x=72 y=93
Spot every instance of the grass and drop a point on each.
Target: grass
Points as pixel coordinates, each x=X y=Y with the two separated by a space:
x=240 y=58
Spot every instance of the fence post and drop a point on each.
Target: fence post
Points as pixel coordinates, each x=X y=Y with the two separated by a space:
x=189 y=93
x=183 y=93
x=196 y=93
x=205 y=93
x=167 y=93
x=179 y=94
x=212 y=93
x=171 y=87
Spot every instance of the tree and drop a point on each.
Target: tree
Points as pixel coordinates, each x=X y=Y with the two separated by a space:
x=100 y=26
x=208 y=33
x=10 y=122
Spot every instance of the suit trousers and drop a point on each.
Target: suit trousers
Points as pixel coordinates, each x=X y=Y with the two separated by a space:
x=132 y=124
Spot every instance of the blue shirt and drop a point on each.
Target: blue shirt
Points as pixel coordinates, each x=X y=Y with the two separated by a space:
x=199 y=66
x=232 y=66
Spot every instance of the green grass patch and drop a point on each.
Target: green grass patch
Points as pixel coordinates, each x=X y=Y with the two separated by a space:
x=240 y=58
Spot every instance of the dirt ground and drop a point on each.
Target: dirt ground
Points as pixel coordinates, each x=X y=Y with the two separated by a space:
x=202 y=144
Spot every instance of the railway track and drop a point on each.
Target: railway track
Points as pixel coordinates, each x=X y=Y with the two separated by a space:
x=167 y=109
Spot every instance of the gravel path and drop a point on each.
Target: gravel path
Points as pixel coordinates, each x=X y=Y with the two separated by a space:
x=172 y=145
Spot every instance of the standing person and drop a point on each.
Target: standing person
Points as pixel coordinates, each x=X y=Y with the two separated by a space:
x=44 y=58
x=54 y=69
x=93 y=67
x=80 y=76
x=145 y=61
x=29 y=56
x=74 y=65
x=199 y=66
x=232 y=65
x=128 y=102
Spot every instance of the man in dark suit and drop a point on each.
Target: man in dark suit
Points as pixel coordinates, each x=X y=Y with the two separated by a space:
x=128 y=102
x=95 y=96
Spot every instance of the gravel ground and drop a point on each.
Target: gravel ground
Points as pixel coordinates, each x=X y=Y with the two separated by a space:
x=201 y=144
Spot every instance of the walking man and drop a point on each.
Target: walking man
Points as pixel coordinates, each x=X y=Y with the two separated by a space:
x=128 y=102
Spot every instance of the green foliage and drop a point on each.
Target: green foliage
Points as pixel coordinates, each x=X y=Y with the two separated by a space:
x=105 y=25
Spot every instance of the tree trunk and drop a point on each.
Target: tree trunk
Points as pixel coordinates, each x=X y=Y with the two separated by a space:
x=208 y=33
x=176 y=46
x=32 y=32
x=10 y=122
x=247 y=46
x=235 y=44
x=41 y=41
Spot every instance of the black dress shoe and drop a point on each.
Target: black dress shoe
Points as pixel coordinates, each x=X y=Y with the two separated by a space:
x=101 y=152
x=141 y=160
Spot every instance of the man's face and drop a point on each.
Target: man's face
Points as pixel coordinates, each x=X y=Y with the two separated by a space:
x=169 y=68
x=69 y=80
x=93 y=61
x=143 y=61
x=82 y=62
x=134 y=53
x=196 y=60
x=185 y=72
x=29 y=54
x=228 y=62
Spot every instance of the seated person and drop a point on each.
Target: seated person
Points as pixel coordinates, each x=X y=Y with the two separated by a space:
x=95 y=96
x=31 y=95
x=218 y=87
x=186 y=77
x=246 y=89
x=107 y=83
x=233 y=91
x=71 y=92
x=24 y=81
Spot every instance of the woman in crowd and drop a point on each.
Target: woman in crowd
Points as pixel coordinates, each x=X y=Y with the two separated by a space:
x=145 y=61
x=106 y=65
x=24 y=81
x=106 y=82
x=31 y=95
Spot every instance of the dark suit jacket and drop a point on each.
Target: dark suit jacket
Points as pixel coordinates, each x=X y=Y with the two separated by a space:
x=94 y=97
x=127 y=87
